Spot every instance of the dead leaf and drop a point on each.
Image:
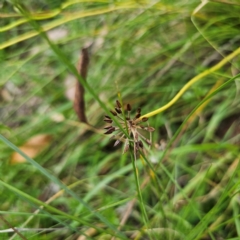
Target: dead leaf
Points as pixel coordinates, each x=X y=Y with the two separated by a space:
x=33 y=147
x=79 y=103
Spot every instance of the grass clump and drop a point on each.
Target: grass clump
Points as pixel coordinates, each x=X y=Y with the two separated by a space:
x=178 y=63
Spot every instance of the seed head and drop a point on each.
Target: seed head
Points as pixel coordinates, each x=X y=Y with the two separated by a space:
x=131 y=125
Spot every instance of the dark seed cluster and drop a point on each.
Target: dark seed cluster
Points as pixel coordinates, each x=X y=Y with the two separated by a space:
x=131 y=125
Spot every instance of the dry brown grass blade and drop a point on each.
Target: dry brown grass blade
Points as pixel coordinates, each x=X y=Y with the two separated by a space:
x=13 y=228
x=79 y=103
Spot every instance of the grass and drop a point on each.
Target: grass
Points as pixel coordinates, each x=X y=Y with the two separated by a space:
x=176 y=60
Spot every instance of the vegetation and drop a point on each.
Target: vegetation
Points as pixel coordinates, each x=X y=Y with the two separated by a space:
x=63 y=178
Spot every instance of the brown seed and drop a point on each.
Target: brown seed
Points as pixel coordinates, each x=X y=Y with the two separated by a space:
x=140 y=144
x=108 y=120
x=129 y=108
x=118 y=104
x=144 y=119
x=139 y=110
x=106 y=116
x=138 y=115
x=108 y=127
x=118 y=110
x=109 y=131
x=116 y=143
x=150 y=129
x=113 y=113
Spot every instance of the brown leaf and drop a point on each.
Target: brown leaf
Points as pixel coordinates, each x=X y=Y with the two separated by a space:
x=33 y=147
x=150 y=129
x=79 y=104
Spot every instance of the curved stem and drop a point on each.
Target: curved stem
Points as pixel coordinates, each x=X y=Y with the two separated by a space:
x=191 y=82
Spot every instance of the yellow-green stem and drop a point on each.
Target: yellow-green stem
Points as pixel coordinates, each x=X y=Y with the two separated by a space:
x=191 y=82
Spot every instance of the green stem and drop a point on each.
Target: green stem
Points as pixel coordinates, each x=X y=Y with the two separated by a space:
x=140 y=198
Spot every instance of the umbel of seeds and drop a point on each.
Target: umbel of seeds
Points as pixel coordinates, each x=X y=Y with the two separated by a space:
x=129 y=124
